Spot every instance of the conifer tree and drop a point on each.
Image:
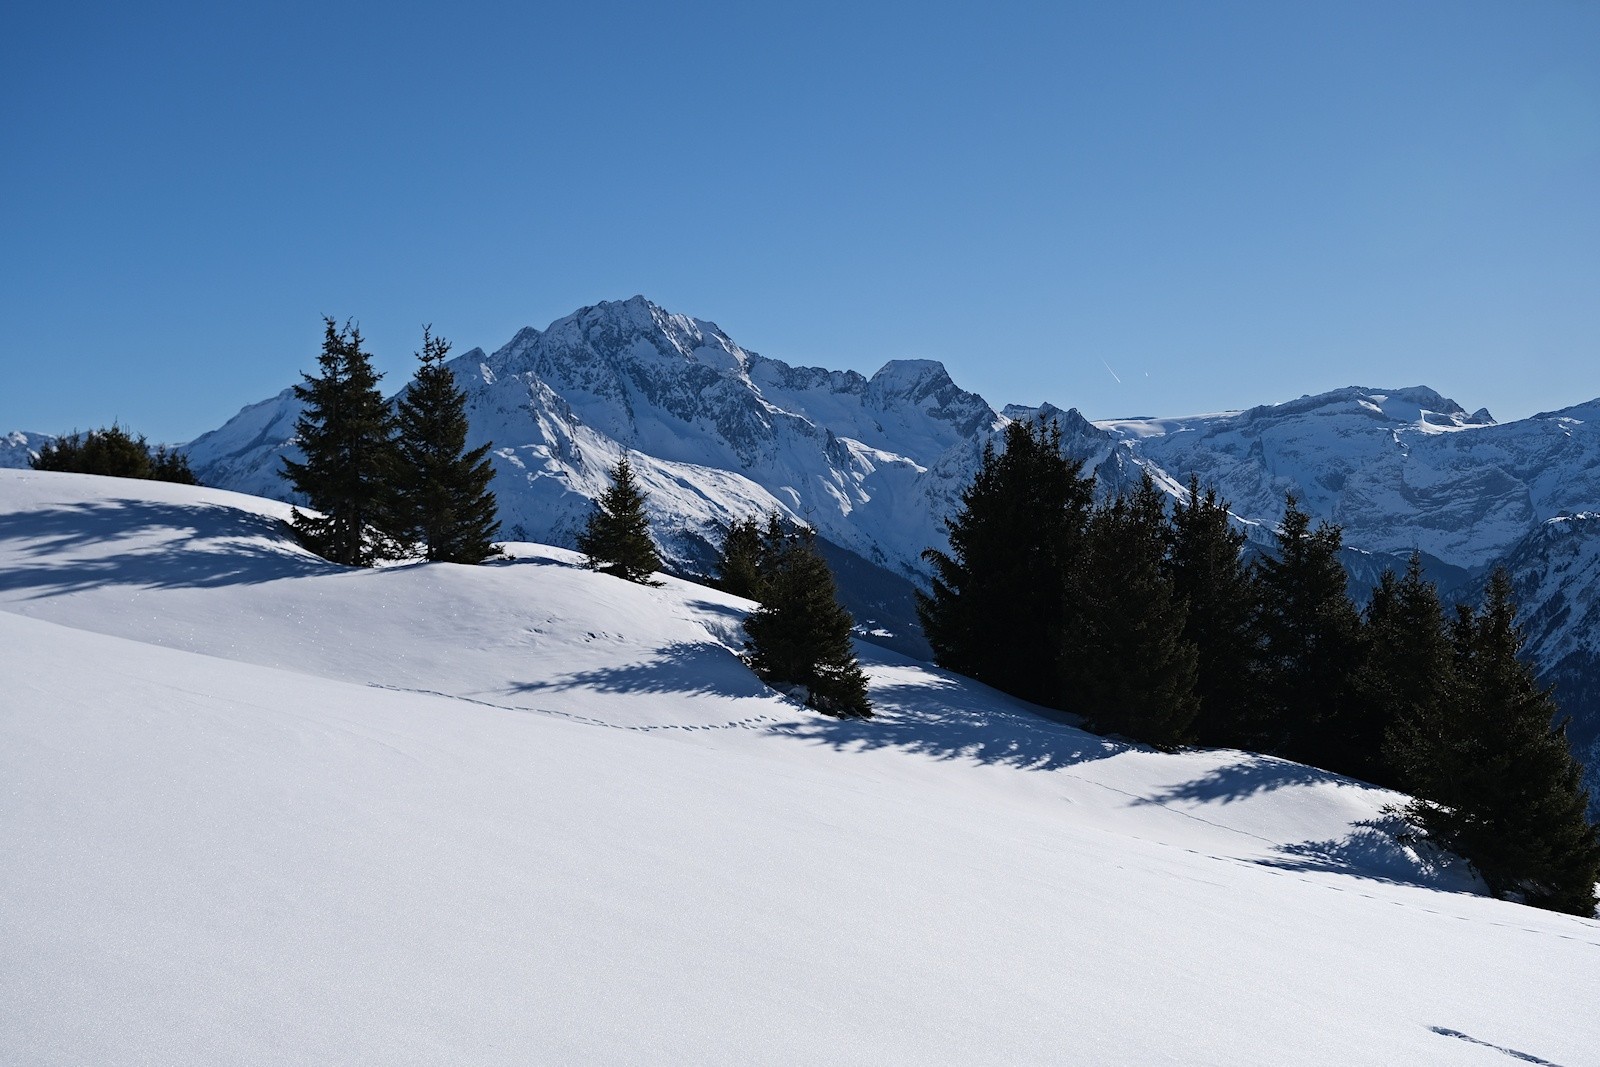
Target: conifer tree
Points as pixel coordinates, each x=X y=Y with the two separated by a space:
x=616 y=539
x=739 y=563
x=170 y=465
x=1408 y=677
x=1210 y=575
x=347 y=436
x=1000 y=604
x=1312 y=648
x=800 y=635
x=1507 y=794
x=1134 y=670
x=442 y=495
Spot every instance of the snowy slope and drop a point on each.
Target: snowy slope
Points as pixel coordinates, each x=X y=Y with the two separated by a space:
x=264 y=809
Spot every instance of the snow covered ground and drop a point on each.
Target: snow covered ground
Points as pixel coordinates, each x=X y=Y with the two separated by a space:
x=255 y=808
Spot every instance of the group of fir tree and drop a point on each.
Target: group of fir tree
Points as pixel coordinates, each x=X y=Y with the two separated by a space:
x=1149 y=623
x=800 y=634
x=388 y=482
x=114 y=452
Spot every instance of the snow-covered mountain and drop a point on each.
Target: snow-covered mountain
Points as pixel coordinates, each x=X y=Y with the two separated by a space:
x=876 y=464
x=716 y=433
x=260 y=808
x=18 y=448
x=1398 y=469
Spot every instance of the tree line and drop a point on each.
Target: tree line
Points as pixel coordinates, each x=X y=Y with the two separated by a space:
x=114 y=452
x=1149 y=623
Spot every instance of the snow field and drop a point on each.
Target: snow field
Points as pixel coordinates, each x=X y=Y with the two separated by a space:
x=256 y=808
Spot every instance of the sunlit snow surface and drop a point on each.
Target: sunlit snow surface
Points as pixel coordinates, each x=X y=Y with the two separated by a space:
x=255 y=808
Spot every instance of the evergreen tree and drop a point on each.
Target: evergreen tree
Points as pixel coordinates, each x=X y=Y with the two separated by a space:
x=1507 y=793
x=113 y=452
x=1000 y=605
x=800 y=635
x=616 y=539
x=346 y=434
x=1312 y=649
x=170 y=465
x=1210 y=575
x=442 y=495
x=1134 y=670
x=739 y=563
x=1408 y=677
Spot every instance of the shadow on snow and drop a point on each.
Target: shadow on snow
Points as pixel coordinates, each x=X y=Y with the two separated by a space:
x=249 y=548
x=1250 y=775
x=949 y=720
x=691 y=668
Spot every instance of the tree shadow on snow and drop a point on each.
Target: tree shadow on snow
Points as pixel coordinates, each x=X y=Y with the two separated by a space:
x=950 y=720
x=685 y=668
x=1251 y=775
x=1379 y=850
x=205 y=545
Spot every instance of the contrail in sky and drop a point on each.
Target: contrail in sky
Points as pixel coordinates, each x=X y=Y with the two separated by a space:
x=1109 y=371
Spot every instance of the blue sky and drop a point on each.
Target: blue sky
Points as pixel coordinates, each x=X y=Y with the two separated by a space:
x=1219 y=204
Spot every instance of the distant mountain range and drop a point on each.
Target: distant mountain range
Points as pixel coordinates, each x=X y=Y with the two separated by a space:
x=717 y=432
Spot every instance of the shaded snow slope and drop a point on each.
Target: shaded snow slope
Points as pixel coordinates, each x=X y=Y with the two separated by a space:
x=261 y=808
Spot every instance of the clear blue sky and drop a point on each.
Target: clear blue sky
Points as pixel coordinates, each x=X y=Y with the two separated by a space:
x=1220 y=203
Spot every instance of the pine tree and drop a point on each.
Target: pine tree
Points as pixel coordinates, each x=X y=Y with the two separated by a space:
x=1210 y=575
x=1000 y=604
x=1312 y=649
x=1408 y=677
x=739 y=563
x=1133 y=668
x=616 y=539
x=346 y=434
x=800 y=635
x=1507 y=794
x=442 y=495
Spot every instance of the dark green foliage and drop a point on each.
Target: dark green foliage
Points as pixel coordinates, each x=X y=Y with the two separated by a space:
x=1133 y=669
x=170 y=465
x=1210 y=575
x=616 y=539
x=1408 y=677
x=346 y=434
x=1312 y=649
x=739 y=565
x=442 y=498
x=1001 y=601
x=1506 y=794
x=114 y=452
x=800 y=635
